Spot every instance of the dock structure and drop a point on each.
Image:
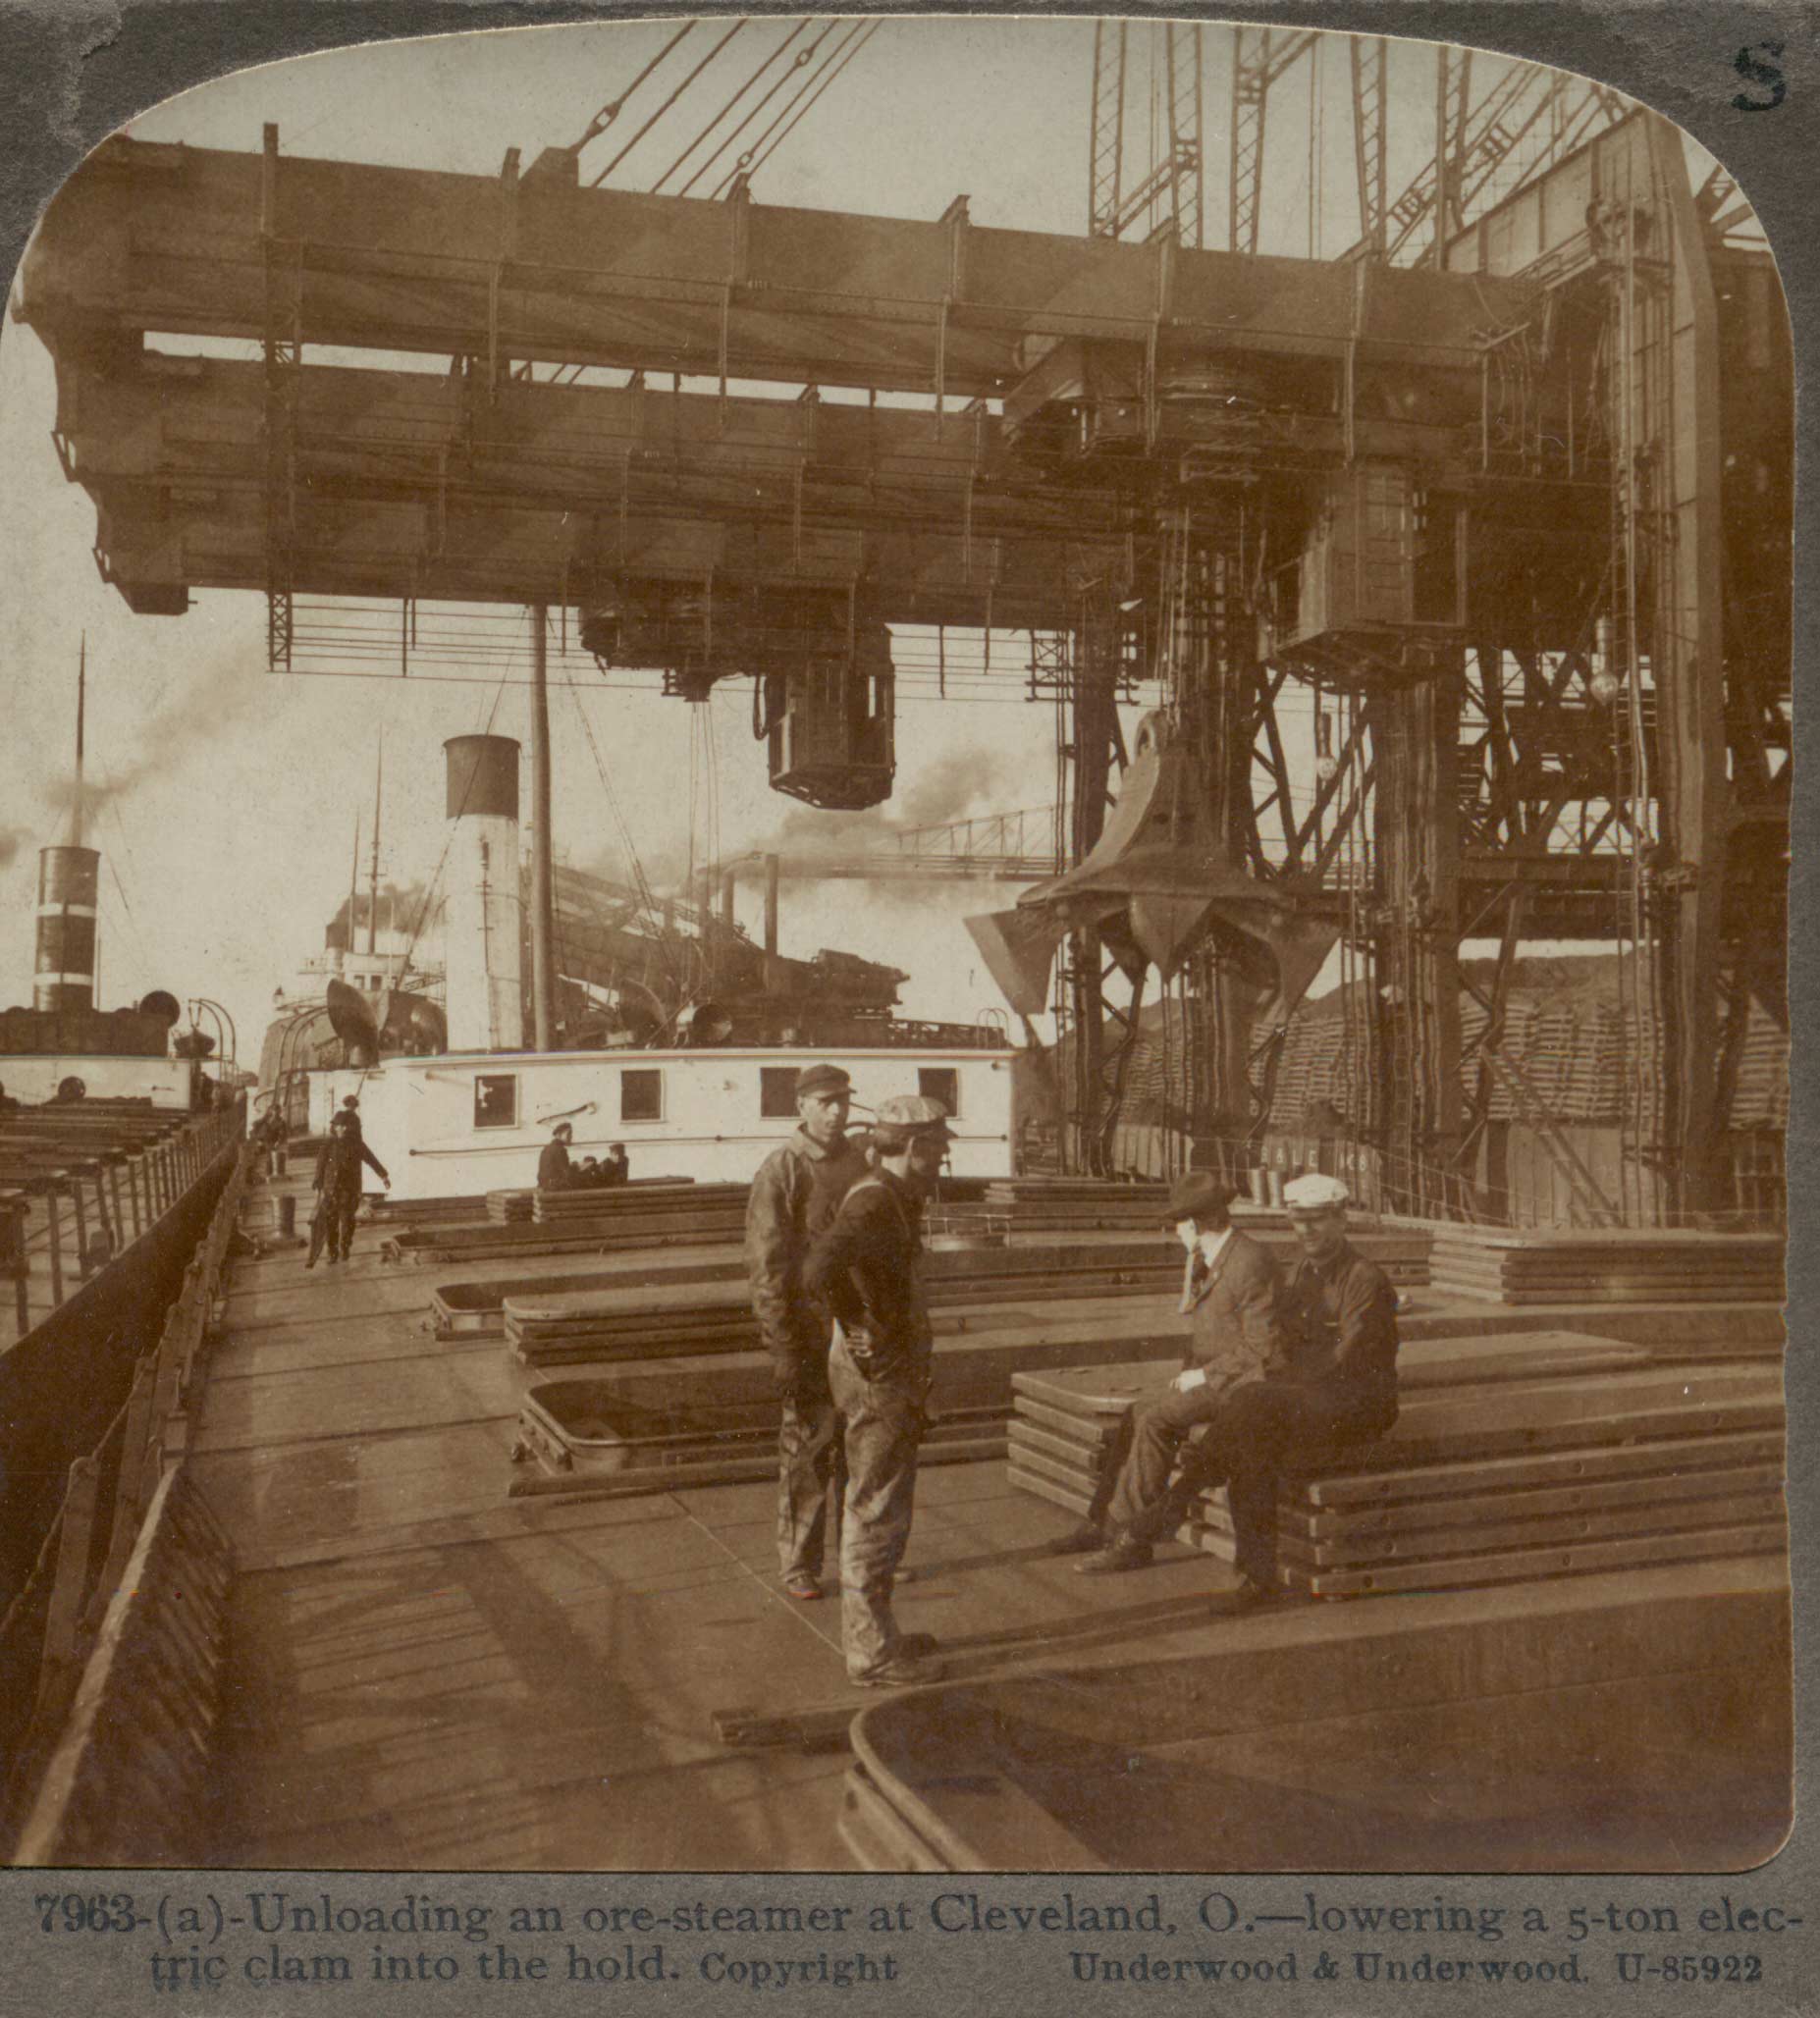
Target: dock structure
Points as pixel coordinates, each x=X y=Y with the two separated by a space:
x=427 y=1671
x=1452 y=574
x=1399 y=491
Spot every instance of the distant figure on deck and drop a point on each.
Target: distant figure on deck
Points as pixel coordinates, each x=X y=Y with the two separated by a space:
x=338 y=1189
x=867 y=1266
x=812 y=1168
x=8 y=1105
x=1230 y=1293
x=555 y=1172
x=615 y=1167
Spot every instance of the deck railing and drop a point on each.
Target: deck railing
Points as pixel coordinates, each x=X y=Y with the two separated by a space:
x=127 y=1599
x=117 y=1172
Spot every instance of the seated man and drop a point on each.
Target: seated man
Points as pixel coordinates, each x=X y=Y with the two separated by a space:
x=615 y=1166
x=555 y=1172
x=1229 y=1296
x=1339 y=1390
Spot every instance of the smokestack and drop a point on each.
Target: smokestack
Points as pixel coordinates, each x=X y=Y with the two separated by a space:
x=482 y=963
x=772 y=868
x=726 y=899
x=68 y=881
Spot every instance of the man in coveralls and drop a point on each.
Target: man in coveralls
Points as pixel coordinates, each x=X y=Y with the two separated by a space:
x=1230 y=1290
x=799 y=1184
x=868 y=1264
x=1338 y=1390
x=338 y=1186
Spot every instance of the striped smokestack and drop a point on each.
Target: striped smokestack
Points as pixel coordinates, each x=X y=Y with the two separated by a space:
x=68 y=881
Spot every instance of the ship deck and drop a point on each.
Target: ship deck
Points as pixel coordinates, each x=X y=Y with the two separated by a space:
x=427 y=1674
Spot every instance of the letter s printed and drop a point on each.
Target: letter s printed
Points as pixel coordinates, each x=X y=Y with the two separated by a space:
x=1764 y=74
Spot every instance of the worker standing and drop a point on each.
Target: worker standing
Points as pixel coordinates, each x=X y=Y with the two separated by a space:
x=815 y=1164
x=337 y=1186
x=869 y=1266
x=555 y=1172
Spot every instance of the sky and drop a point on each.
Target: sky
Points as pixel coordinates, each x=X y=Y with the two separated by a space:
x=228 y=795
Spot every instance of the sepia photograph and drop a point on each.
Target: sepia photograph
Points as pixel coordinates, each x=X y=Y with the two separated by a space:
x=894 y=973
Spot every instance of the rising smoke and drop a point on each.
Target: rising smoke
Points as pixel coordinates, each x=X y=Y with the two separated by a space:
x=407 y=908
x=11 y=839
x=181 y=728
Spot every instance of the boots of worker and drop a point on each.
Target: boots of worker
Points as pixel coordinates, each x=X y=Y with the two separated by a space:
x=1089 y=1539
x=1125 y=1552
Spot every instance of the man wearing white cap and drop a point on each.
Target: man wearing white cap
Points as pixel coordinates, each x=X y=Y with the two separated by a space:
x=1339 y=1389
x=869 y=1266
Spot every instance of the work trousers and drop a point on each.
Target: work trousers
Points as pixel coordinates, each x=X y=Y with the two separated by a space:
x=807 y=1459
x=882 y=1420
x=334 y=1222
x=1159 y=1430
x=1256 y=1435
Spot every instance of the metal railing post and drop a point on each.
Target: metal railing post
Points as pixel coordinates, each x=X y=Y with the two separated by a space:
x=67 y=1588
x=14 y=1256
x=55 y=1243
x=82 y=1226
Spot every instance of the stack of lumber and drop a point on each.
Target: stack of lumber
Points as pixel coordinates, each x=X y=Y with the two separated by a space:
x=1533 y=1454
x=410 y=1212
x=509 y=1208
x=548 y=1325
x=1620 y=1266
x=588 y=1431
x=1074 y=1204
x=587 y=1222
x=621 y=1201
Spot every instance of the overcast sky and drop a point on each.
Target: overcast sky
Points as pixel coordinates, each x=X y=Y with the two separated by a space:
x=227 y=843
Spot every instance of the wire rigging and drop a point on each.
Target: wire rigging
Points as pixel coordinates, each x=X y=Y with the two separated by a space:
x=610 y=111
x=752 y=80
x=596 y=181
x=815 y=82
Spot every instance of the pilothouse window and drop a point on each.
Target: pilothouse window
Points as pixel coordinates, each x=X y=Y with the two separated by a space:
x=641 y=1095
x=778 y=1091
x=940 y=1083
x=495 y=1099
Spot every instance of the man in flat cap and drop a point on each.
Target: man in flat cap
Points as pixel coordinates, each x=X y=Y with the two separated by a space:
x=1339 y=1390
x=868 y=1264
x=555 y=1171
x=1230 y=1295
x=800 y=1180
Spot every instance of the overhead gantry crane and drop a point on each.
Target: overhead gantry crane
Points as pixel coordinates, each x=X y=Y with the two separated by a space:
x=1494 y=514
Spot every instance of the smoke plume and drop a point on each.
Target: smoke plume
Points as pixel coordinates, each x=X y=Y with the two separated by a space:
x=11 y=839
x=181 y=728
x=403 y=908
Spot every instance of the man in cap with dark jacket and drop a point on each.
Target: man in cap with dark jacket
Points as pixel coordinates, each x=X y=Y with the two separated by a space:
x=555 y=1171
x=1230 y=1291
x=869 y=1266
x=337 y=1188
x=803 y=1179
x=1337 y=1389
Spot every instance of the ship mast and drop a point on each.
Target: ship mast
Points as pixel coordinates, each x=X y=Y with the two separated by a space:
x=82 y=702
x=543 y=906
x=353 y=884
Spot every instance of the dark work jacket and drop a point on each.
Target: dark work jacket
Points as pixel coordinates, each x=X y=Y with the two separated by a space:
x=553 y=1170
x=1342 y=1326
x=867 y=1266
x=1235 y=1331
x=798 y=1186
x=337 y=1166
